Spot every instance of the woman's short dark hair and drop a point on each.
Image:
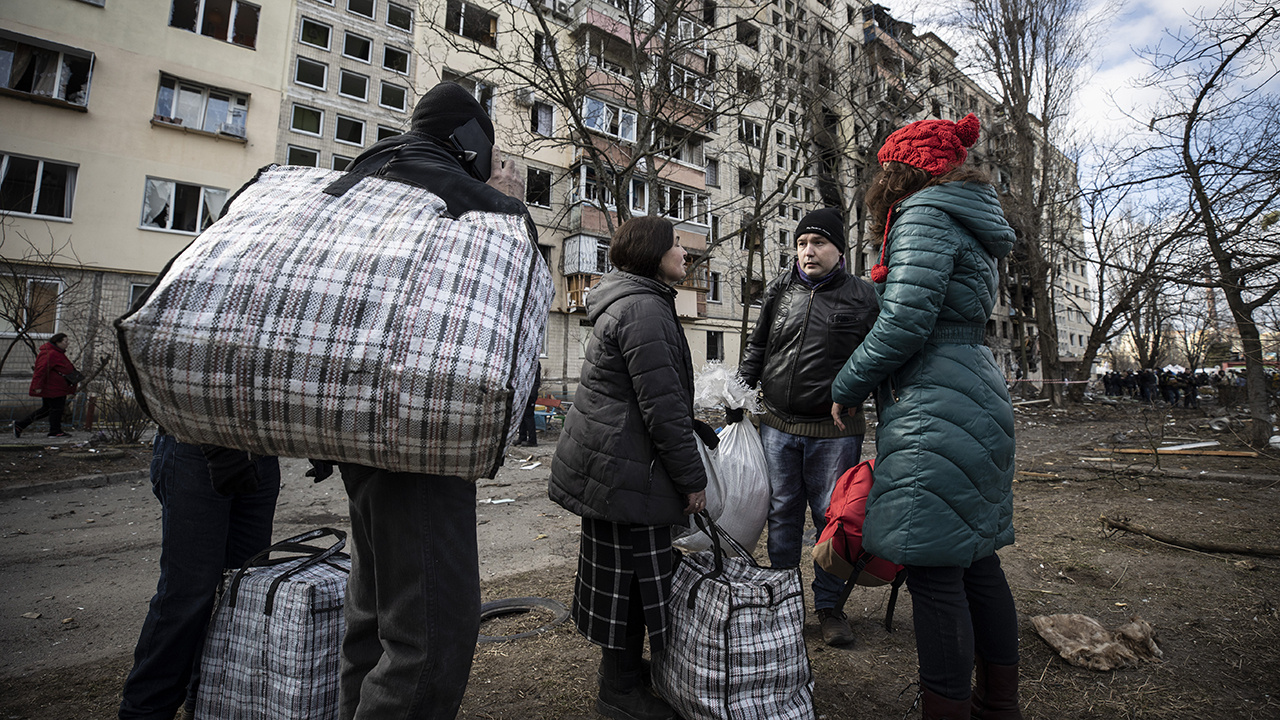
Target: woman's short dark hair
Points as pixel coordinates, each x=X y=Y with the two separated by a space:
x=57 y=338
x=638 y=246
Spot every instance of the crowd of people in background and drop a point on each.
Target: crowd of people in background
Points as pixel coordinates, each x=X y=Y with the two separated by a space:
x=1174 y=388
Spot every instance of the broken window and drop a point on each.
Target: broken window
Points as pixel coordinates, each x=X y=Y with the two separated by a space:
x=468 y=20
x=169 y=205
x=227 y=20
x=180 y=102
x=540 y=116
x=31 y=186
x=537 y=188
x=30 y=67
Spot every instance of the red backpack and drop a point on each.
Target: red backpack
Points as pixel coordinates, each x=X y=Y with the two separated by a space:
x=839 y=548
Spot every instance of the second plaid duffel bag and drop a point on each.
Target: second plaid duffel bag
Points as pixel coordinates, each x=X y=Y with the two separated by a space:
x=273 y=645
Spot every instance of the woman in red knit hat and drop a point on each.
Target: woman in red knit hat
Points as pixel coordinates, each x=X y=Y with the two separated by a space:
x=942 y=503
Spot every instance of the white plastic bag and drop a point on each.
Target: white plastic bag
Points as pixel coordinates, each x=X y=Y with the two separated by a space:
x=737 y=489
x=737 y=479
x=717 y=386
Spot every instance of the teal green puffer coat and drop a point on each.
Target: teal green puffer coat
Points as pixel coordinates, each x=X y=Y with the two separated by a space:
x=944 y=445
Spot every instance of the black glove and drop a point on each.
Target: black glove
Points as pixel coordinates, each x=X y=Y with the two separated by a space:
x=320 y=469
x=733 y=415
x=232 y=472
x=707 y=433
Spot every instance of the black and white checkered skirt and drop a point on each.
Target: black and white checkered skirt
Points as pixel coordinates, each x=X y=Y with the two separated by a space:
x=611 y=555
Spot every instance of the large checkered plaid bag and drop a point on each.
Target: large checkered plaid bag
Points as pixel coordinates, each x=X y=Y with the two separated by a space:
x=735 y=645
x=366 y=327
x=273 y=644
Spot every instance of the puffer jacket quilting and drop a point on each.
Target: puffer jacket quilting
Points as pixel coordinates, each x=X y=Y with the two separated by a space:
x=944 y=468
x=627 y=453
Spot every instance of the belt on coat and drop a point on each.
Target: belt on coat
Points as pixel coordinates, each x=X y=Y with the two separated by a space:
x=958 y=334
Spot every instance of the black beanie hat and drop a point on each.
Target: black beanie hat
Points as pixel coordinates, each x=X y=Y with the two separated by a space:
x=445 y=108
x=827 y=222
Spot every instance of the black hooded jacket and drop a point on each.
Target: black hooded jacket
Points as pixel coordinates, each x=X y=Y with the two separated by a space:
x=627 y=453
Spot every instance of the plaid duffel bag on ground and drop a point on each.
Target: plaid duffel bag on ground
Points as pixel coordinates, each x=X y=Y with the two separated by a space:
x=735 y=643
x=273 y=645
x=366 y=327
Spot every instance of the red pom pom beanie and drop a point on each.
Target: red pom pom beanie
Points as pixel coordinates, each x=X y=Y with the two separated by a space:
x=935 y=146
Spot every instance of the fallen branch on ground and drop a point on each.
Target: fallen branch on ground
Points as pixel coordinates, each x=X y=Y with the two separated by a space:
x=1232 y=548
x=1163 y=451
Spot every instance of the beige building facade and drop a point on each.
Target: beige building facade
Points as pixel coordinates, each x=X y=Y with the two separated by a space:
x=127 y=125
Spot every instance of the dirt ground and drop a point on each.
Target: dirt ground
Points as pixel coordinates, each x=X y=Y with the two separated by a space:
x=1215 y=614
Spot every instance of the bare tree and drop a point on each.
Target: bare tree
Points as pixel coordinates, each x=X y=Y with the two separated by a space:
x=1032 y=51
x=37 y=282
x=1212 y=141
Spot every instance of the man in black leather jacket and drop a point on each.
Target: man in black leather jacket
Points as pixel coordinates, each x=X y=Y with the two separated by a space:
x=813 y=317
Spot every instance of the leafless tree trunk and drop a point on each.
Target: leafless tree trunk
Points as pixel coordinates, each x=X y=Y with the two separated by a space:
x=1213 y=141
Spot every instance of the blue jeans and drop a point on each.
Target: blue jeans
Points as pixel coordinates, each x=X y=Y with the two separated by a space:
x=959 y=613
x=202 y=533
x=803 y=471
x=413 y=598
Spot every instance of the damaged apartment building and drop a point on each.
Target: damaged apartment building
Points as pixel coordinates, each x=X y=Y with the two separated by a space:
x=129 y=123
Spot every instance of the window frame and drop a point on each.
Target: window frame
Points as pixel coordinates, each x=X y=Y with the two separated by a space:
x=389 y=132
x=718 y=345
x=333 y=162
x=299 y=60
x=293 y=114
x=373 y=10
x=337 y=125
x=529 y=184
x=232 y=21
x=608 y=113
x=535 y=124
x=201 y=205
x=489 y=39
x=347 y=35
x=405 y=8
x=714 y=280
x=58 y=92
x=343 y=74
x=301 y=25
x=69 y=188
x=382 y=88
x=237 y=106
x=408 y=59
x=290 y=149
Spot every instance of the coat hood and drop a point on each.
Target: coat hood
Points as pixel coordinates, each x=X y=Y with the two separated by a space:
x=618 y=284
x=975 y=206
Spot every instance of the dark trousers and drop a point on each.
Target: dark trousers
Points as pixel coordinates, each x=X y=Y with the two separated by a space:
x=960 y=612
x=528 y=426
x=202 y=533
x=53 y=407
x=413 y=597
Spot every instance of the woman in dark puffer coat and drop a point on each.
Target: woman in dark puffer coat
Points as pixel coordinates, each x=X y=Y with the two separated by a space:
x=942 y=503
x=627 y=461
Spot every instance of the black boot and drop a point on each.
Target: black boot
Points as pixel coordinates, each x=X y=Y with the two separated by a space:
x=995 y=692
x=622 y=694
x=937 y=707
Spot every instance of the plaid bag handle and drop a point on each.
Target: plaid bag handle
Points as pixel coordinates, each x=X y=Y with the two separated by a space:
x=297 y=544
x=718 y=553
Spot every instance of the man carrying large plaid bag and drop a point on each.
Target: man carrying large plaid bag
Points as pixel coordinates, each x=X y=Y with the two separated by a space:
x=413 y=598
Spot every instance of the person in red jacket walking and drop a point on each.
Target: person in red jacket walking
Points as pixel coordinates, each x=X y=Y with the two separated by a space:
x=50 y=384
